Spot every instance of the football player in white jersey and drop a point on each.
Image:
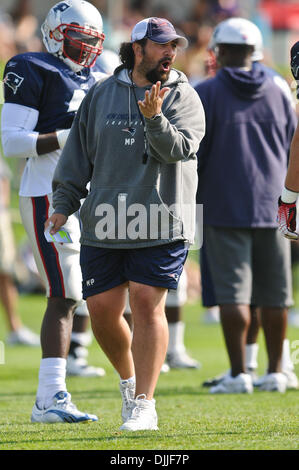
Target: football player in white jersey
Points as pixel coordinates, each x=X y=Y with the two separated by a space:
x=42 y=94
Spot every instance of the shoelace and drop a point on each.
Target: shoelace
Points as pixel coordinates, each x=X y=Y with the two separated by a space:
x=140 y=405
x=66 y=403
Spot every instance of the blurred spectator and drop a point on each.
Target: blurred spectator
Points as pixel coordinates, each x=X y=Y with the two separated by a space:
x=27 y=36
x=173 y=11
x=8 y=291
x=194 y=62
x=223 y=9
x=7 y=37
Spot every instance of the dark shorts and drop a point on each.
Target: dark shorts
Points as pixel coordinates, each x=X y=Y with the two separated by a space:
x=208 y=297
x=248 y=266
x=105 y=268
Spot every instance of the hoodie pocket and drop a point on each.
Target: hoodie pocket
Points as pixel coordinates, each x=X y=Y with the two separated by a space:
x=128 y=214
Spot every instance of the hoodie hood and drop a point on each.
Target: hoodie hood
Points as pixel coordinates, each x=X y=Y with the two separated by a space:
x=248 y=84
x=176 y=76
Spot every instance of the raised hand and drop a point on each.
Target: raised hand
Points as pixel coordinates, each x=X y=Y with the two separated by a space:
x=153 y=99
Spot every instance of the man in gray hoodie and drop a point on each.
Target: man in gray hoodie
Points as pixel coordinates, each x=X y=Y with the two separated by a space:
x=135 y=140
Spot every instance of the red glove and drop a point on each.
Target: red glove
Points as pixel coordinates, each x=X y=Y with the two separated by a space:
x=286 y=218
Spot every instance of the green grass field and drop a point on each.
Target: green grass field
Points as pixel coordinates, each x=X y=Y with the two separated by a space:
x=189 y=418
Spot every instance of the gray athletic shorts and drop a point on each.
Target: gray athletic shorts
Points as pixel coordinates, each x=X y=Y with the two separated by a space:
x=249 y=266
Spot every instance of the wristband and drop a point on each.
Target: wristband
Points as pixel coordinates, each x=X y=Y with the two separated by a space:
x=62 y=136
x=288 y=196
x=153 y=118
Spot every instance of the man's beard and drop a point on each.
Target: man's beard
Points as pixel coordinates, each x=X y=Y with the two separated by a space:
x=154 y=75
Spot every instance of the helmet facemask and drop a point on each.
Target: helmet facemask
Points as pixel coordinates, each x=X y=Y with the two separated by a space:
x=80 y=45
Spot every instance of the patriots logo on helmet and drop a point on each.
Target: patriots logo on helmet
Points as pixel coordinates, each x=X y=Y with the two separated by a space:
x=13 y=80
x=61 y=7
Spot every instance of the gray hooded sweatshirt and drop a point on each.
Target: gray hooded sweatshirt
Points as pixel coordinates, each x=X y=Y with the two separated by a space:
x=142 y=172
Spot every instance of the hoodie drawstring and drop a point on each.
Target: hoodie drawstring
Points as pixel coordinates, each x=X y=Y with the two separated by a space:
x=145 y=154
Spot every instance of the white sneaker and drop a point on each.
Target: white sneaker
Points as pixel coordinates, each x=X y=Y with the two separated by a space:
x=23 y=336
x=242 y=383
x=219 y=378
x=62 y=410
x=143 y=416
x=216 y=380
x=77 y=365
x=273 y=382
x=292 y=379
x=165 y=368
x=181 y=360
x=252 y=372
x=293 y=318
x=127 y=391
x=212 y=315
